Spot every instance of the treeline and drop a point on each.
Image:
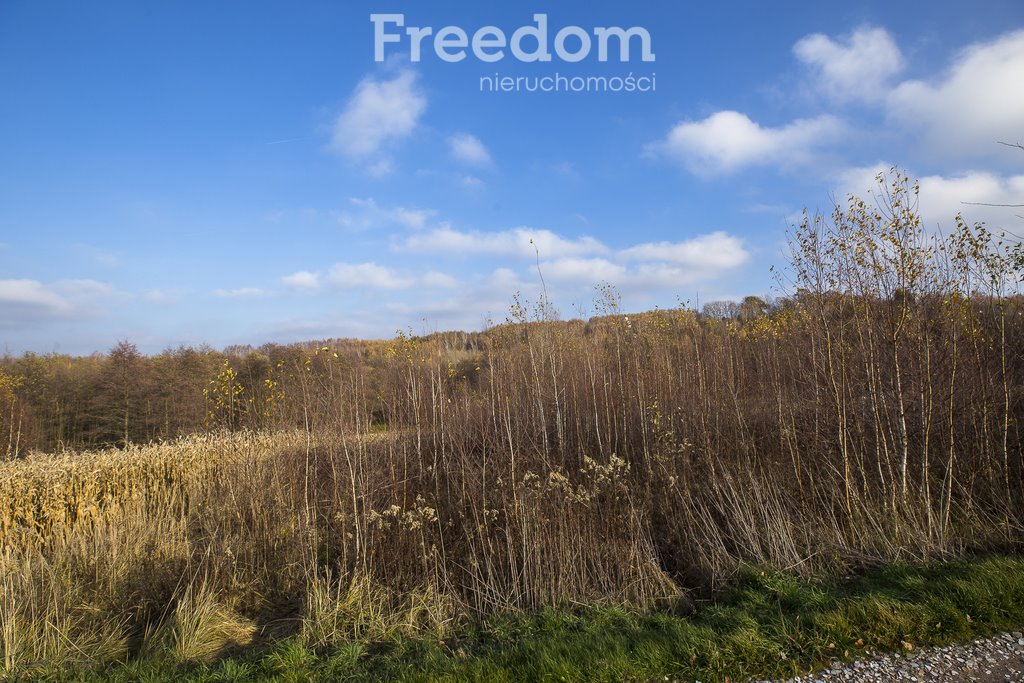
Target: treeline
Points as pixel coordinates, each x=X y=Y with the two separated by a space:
x=55 y=402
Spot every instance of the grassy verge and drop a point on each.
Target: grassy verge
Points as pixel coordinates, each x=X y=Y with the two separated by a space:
x=768 y=624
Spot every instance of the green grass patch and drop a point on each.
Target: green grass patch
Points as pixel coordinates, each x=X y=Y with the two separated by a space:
x=768 y=624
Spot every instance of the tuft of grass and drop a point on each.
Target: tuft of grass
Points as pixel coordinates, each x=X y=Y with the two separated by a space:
x=338 y=611
x=199 y=629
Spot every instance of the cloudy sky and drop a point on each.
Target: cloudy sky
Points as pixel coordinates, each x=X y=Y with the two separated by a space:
x=243 y=172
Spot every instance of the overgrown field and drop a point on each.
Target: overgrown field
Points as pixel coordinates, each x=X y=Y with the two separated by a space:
x=351 y=492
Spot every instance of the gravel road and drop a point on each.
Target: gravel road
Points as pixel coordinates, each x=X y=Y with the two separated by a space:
x=994 y=660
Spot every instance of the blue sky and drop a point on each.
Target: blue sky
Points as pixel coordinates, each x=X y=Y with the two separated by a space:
x=244 y=172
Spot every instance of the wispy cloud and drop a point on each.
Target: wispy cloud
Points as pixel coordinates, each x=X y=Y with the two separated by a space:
x=367 y=214
x=468 y=149
x=163 y=297
x=519 y=242
x=303 y=279
x=104 y=257
x=240 y=293
x=379 y=114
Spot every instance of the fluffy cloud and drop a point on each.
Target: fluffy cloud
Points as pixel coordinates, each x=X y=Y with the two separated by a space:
x=588 y=271
x=379 y=113
x=375 y=276
x=658 y=265
x=975 y=194
x=646 y=274
x=978 y=101
x=368 y=275
x=728 y=141
x=520 y=242
x=586 y=261
x=941 y=198
x=959 y=113
x=468 y=149
x=714 y=250
x=859 y=67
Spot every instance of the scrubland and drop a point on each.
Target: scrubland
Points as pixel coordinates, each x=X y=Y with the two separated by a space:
x=356 y=493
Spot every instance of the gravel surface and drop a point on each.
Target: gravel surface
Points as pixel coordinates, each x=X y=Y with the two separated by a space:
x=995 y=660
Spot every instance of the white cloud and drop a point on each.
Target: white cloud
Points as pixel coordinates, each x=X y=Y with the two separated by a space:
x=576 y=265
x=515 y=242
x=658 y=265
x=978 y=101
x=379 y=113
x=486 y=298
x=412 y=218
x=381 y=168
x=588 y=271
x=435 y=279
x=468 y=149
x=367 y=275
x=967 y=193
x=375 y=276
x=579 y=275
x=728 y=140
x=25 y=301
x=941 y=198
x=366 y=214
x=471 y=182
x=646 y=274
x=86 y=290
x=240 y=293
x=303 y=279
x=31 y=293
x=714 y=250
x=859 y=67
